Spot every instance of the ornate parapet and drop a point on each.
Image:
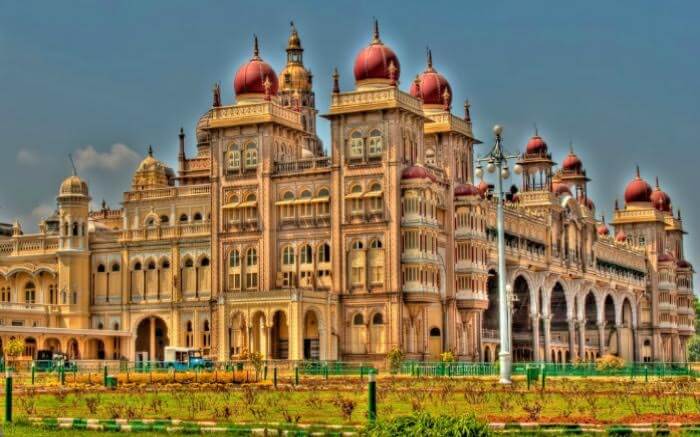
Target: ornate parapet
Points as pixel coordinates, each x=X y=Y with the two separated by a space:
x=264 y=112
x=374 y=99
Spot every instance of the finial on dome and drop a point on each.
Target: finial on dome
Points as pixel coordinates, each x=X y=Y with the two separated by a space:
x=446 y=100
x=375 y=39
x=392 y=72
x=256 y=49
x=617 y=205
x=679 y=213
x=537 y=134
x=416 y=83
x=657 y=182
x=467 y=114
x=430 y=58
x=104 y=205
x=268 y=85
x=336 y=81
x=638 y=174
x=150 y=151
x=602 y=218
x=72 y=164
x=571 y=146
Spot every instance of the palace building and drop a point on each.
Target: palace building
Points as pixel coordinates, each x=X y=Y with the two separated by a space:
x=265 y=242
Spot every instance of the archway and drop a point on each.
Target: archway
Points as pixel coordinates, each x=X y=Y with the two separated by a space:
x=151 y=339
x=377 y=334
x=73 y=350
x=491 y=316
x=624 y=335
x=237 y=335
x=29 y=347
x=95 y=349
x=312 y=344
x=591 y=317
x=558 y=310
x=435 y=343
x=53 y=344
x=487 y=354
x=280 y=336
x=258 y=338
x=522 y=326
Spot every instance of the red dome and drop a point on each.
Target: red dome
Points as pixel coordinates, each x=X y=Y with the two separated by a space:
x=603 y=230
x=466 y=190
x=683 y=264
x=660 y=199
x=250 y=77
x=560 y=188
x=638 y=190
x=572 y=163
x=483 y=187
x=375 y=60
x=416 y=172
x=621 y=236
x=536 y=146
x=432 y=87
x=665 y=257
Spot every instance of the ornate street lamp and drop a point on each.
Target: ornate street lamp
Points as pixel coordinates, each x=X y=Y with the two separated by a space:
x=497 y=161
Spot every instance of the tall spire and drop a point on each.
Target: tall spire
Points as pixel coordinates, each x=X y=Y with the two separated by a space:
x=657 y=182
x=430 y=58
x=150 y=151
x=336 y=81
x=537 y=134
x=256 y=49
x=638 y=174
x=467 y=112
x=216 y=95
x=375 y=39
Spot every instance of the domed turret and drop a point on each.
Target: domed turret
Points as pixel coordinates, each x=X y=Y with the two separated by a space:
x=638 y=190
x=294 y=77
x=602 y=229
x=572 y=163
x=73 y=186
x=621 y=237
x=377 y=64
x=463 y=190
x=660 y=199
x=152 y=173
x=483 y=187
x=560 y=189
x=416 y=172
x=432 y=88
x=255 y=79
x=536 y=146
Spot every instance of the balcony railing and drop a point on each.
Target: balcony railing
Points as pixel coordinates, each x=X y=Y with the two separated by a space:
x=167 y=232
x=302 y=165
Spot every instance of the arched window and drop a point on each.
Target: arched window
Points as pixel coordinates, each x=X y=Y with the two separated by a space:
x=137 y=266
x=30 y=293
x=374 y=145
x=287 y=209
x=323 y=200
x=197 y=217
x=357 y=145
x=188 y=334
x=356 y=195
x=115 y=267
x=306 y=209
x=204 y=262
x=75 y=229
x=375 y=244
x=376 y=197
x=435 y=332
x=101 y=268
x=251 y=207
x=189 y=263
x=358 y=319
x=164 y=220
x=357 y=245
x=288 y=256
x=430 y=156
x=324 y=253
x=183 y=218
x=306 y=255
x=251 y=156
x=206 y=335
x=234 y=259
x=151 y=265
x=165 y=264
x=234 y=157
x=378 y=319
x=150 y=222
x=252 y=257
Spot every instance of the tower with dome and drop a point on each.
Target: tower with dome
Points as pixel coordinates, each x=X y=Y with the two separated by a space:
x=262 y=240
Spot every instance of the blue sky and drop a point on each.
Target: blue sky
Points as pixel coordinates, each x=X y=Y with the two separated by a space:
x=102 y=80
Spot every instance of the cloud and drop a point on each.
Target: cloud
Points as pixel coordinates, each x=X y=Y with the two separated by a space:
x=27 y=157
x=42 y=211
x=118 y=156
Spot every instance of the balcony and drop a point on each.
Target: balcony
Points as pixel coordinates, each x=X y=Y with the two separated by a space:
x=32 y=308
x=167 y=232
x=490 y=334
x=170 y=192
x=25 y=245
x=302 y=165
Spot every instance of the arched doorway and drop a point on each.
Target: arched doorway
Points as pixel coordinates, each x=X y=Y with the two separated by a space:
x=73 y=350
x=237 y=335
x=30 y=347
x=624 y=336
x=559 y=324
x=95 y=349
x=491 y=316
x=312 y=343
x=151 y=339
x=280 y=336
x=53 y=344
x=258 y=337
x=487 y=355
x=435 y=343
x=591 y=316
x=522 y=325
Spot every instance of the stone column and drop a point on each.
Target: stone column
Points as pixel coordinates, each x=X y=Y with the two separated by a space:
x=601 y=333
x=152 y=338
x=572 y=338
x=547 y=338
x=535 y=336
x=268 y=330
x=582 y=340
x=637 y=350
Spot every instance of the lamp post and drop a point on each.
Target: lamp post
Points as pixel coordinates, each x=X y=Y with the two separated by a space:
x=497 y=161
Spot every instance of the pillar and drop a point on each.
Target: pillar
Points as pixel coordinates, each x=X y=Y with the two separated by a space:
x=268 y=333
x=535 y=337
x=601 y=333
x=637 y=350
x=572 y=338
x=582 y=340
x=152 y=338
x=547 y=321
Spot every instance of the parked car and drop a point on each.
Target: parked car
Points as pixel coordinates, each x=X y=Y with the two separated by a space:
x=185 y=358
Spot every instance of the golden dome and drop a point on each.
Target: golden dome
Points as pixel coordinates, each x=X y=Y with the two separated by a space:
x=294 y=77
x=73 y=186
x=152 y=173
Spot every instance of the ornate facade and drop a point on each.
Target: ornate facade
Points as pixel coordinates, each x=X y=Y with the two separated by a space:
x=263 y=242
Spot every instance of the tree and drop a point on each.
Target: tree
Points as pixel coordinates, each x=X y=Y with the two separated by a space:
x=395 y=357
x=694 y=348
x=13 y=349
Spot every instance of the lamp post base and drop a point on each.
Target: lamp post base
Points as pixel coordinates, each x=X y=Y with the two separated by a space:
x=505 y=367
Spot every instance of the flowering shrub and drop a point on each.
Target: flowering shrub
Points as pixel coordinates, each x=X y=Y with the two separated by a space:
x=447 y=357
x=395 y=358
x=608 y=362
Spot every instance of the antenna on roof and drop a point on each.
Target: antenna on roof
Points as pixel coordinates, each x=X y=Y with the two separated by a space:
x=70 y=158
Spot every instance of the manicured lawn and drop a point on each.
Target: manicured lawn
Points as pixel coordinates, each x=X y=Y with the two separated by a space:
x=344 y=400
